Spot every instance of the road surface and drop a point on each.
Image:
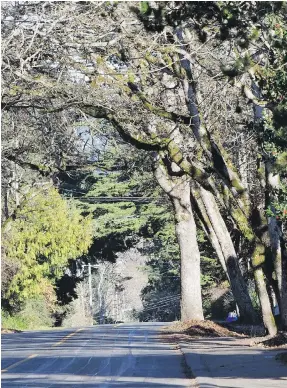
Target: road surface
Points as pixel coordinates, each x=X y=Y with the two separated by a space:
x=124 y=355
x=231 y=363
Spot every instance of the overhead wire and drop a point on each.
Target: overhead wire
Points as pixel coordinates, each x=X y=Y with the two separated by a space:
x=161 y=306
x=166 y=298
x=162 y=303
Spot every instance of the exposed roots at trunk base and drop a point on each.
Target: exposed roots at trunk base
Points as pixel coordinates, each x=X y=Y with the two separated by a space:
x=199 y=329
x=278 y=341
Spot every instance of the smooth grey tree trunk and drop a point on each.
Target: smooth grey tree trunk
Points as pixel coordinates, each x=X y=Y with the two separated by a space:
x=237 y=282
x=178 y=190
x=259 y=254
x=274 y=233
x=280 y=266
x=258 y=261
x=277 y=248
x=267 y=315
x=191 y=302
x=207 y=226
x=283 y=303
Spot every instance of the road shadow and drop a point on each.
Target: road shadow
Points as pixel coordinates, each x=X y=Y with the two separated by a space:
x=129 y=357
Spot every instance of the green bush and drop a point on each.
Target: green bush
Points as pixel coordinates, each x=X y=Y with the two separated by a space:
x=14 y=322
x=46 y=233
x=33 y=315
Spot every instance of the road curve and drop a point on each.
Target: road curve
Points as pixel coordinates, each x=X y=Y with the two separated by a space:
x=124 y=355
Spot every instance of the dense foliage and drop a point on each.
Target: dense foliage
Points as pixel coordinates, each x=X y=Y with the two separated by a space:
x=45 y=232
x=198 y=88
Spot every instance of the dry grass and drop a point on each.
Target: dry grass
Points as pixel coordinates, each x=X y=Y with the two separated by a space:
x=8 y=331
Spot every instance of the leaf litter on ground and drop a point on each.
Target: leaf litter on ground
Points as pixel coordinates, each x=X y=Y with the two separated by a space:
x=278 y=341
x=189 y=330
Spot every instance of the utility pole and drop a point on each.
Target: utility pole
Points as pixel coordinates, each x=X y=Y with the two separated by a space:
x=90 y=284
x=90 y=287
x=117 y=307
x=124 y=305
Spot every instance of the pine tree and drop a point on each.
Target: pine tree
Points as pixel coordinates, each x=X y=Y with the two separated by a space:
x=46 y=231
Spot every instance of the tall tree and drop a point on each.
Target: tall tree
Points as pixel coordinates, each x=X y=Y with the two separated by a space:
x=44 y=233
x=161 y=74
x=178 y=190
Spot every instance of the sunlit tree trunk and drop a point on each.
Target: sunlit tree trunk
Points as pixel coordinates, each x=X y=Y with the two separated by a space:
x=178 y=190
x=277 y=245
x=283 y=291
x=206 y=225
x=258 y=260
x=225 y=247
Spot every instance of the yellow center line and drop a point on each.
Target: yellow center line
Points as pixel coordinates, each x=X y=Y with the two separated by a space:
x=67 y=337
x=35 y=355
x=19 y=362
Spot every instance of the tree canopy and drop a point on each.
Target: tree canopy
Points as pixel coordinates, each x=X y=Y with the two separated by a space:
x=197 y=87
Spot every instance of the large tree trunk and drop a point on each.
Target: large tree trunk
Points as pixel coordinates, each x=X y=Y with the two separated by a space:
x=191 y=302
x=267 y=315
x=277 y=244
x=208 y=229
x=178 y=190
x=226 y=248
x=258 y=259
x=259 y=254
x=283 y=291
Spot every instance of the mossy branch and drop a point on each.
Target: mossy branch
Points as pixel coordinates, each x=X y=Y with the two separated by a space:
x=137 y=140
x=157 y=110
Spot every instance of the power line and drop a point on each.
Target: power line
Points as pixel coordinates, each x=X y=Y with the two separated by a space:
x=156 y=307
x=140 y=200
x=161 y=300
x=104 y=199
x=162 y=273
x=161 y=303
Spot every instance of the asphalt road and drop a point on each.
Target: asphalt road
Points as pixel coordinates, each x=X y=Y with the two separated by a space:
x=125 y=355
